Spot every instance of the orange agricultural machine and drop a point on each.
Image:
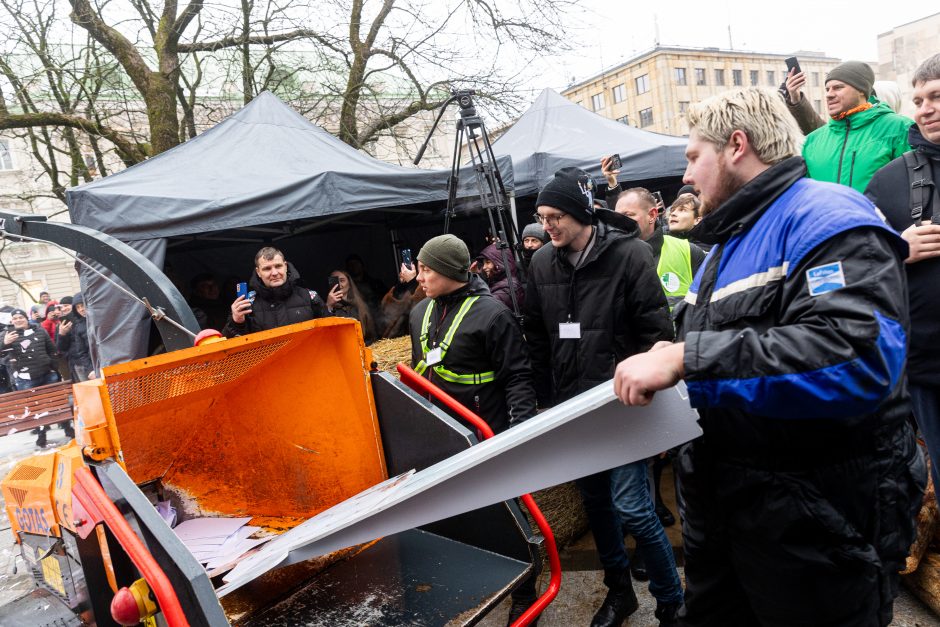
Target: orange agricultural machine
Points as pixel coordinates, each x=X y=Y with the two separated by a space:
x=276 y=427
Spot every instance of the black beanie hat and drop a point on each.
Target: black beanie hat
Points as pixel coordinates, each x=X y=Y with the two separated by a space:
x=855 y=73
x=571 y=191
x=19 y=312
x=448 y=255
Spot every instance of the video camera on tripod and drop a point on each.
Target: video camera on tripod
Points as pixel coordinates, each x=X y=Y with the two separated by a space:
x=493 y=197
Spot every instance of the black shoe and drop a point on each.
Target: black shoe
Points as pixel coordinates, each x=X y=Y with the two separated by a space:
x=638 y=566
x=41 y=440
x=667 y=614
x=69 y=430
x=666 y=518
x=518 y=608
x=619 y=603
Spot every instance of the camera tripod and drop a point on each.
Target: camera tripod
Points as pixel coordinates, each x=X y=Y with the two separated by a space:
x=490 y=187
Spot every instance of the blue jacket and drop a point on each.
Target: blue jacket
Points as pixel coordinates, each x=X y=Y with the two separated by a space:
x=795 y=323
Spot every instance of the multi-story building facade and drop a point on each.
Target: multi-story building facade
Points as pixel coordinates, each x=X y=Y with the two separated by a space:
x=902 y=49
x=653 y=90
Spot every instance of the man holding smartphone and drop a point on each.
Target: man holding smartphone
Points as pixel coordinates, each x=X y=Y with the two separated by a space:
x=279 y=299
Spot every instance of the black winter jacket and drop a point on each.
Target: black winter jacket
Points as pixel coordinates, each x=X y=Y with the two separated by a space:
x=32 y=353
x=278 y=306
x=74 y=344
x=794 y=328
x=615 y=295
x=488 y=339
x=890 y=190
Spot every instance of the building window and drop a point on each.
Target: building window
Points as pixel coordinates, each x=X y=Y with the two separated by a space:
x=737 y=77
x=624 y=120
x=817 y=104
x=680 y=76
x=683 y=107
x=619 y=93
x=771 y=80
x=597 y=102
x=643 y=84
x=815 y=79
x=6 y=157
x=700 y=76
x=646 y=117
x=719 y=77
x=755 y=78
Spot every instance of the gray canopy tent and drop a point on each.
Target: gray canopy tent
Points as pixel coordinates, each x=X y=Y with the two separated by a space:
x=555 y=133
x=263 y=175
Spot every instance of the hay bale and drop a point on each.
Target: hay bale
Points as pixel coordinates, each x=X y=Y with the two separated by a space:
x=563 y=509
x=927 y=526
x=388 y=353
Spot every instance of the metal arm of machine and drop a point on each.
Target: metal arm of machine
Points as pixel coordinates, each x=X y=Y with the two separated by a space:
x=423 y=386
x=140 y=274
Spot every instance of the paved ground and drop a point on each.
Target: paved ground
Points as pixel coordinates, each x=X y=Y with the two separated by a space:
x=582 y=587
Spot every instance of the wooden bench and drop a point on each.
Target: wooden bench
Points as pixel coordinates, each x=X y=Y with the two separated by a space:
x=46 y=405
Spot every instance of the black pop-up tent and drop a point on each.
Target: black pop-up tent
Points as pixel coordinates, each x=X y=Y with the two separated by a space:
x=263 y=175
x=555 y=133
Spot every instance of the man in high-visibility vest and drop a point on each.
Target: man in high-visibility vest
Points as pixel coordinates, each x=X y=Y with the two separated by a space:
x=470 y=345
x=677 y=260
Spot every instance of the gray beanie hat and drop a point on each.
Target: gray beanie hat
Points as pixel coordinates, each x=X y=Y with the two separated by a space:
x=535 y=230
x=448 y=255
x=855 y=73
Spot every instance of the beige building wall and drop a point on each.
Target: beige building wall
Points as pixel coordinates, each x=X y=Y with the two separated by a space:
x=902 y=49
x=653 y=90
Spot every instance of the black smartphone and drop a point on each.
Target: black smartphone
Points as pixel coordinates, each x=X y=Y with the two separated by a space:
x=793 y=64
x=241 y=290
x=406 y=257
x=331 y=282
x=616 y=163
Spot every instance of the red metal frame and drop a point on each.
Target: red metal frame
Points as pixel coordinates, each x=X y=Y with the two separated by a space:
x=421 y=385
x=94 y=500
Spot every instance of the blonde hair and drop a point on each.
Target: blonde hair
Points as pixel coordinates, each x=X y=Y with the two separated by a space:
x=759 y=112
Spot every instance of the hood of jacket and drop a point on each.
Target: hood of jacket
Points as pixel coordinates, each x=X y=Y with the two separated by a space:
x=476 y=286
x=921 y=144
x=281 y=292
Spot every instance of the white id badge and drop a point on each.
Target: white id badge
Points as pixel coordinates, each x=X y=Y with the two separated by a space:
x=569 y=330
x=433 y=357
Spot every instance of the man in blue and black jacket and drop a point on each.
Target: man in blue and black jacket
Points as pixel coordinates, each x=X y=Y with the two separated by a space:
x=800 y=496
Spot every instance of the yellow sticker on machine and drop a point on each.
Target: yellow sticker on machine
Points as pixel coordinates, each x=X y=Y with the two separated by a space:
x=53 y=574
x=150 y=621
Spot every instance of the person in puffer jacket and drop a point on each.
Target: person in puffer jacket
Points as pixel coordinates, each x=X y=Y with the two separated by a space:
x=800 y=496
x=489 y=264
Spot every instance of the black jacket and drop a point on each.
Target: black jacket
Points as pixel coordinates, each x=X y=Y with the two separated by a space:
x=74 y=344
x=616 y=297
x=890 y=190
x=488 y=339
x=32 y=353
x=278 y=306
x=782 y=366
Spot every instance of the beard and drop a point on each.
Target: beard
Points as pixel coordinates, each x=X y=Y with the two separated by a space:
x=728 y=185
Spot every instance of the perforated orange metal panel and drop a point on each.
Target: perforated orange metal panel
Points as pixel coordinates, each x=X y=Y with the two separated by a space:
x=277 y=424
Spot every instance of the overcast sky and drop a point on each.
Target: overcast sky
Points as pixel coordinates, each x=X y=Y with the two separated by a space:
x=610 y=32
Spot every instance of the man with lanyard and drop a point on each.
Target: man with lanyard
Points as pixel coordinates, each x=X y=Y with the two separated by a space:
x=469 y=344
x=592 y=299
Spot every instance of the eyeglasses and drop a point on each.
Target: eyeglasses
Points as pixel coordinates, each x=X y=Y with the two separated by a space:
x=548 y=220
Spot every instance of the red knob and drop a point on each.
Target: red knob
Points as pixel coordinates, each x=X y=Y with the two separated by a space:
x=124 y=609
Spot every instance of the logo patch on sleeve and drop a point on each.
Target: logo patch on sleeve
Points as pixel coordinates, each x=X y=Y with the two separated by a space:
x=823 y=279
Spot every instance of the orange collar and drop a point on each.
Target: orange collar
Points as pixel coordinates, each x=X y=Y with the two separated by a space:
x=862 y=107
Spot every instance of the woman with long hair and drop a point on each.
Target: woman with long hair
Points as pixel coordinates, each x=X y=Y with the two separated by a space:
x=353 y=305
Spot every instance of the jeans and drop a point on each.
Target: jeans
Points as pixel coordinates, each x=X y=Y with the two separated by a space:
x=604 y=523
x=926 y=405
x=35 y=382
x=630 y=493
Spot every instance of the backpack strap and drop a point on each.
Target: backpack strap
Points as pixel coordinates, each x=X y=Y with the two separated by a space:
x=922 y=185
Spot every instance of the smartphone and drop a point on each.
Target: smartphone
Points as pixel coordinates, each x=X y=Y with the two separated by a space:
x=242 y=290
x=659 y=200
x=406 y=257
x=792 y=64
x=616 y=163
x=331 y=282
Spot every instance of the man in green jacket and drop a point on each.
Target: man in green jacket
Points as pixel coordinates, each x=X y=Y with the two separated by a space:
x=860 y=137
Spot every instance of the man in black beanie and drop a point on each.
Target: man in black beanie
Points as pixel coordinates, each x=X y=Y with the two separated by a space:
x=468 y=343
x=861 y=136
x=593 y=298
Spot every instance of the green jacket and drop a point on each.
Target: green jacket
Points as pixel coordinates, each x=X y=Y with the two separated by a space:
x=850 y=151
